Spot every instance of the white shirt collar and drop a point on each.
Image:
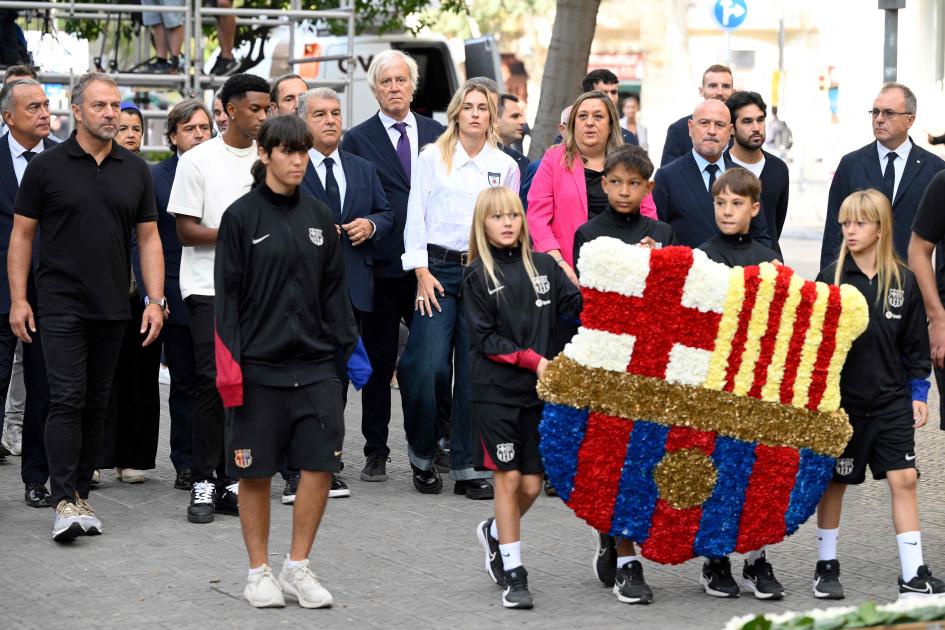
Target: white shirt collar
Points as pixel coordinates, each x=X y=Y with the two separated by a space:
x=481 y=161
x=318 y=158
x=388 y=122
x=701 y=162
x=16 y=149
x=902 y=150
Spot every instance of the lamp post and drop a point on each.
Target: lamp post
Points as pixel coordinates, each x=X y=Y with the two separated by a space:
x=891 y=37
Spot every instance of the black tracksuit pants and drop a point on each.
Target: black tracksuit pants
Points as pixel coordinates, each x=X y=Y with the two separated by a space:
x=208 y=460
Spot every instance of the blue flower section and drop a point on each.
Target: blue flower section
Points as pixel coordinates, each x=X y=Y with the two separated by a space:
x=562 y=431
x=637 y=494
x=814 y=472
x=721 y=513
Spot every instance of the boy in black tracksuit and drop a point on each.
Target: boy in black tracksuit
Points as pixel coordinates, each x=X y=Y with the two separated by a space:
x=736 y=194
x=626 y=180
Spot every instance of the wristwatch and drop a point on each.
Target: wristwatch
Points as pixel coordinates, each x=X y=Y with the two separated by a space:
x=161 y=302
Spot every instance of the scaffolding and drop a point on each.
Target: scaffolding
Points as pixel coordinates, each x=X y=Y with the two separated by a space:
x=190 y=80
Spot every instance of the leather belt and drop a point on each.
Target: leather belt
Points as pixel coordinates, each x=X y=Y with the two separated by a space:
x=448 y=255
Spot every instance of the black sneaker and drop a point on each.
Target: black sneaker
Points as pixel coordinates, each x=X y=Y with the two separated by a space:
x=629 y=585
x=922 y=584
x=441 y=461
x=759 y=578
x=478 y=489
x=4 y=451
x=228 y=501
x=717 y=578
x=291 y=485
x=183 y=481
x=516 y=593
x=159 y=66
x=550 y=489
x=338 y=488
x=827 y=580
x=375 y=468
x=203 y=496
x=491 y=546
x=605 y=560
x=223 y=67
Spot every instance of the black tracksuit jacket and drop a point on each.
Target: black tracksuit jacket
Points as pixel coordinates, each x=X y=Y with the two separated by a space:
x=629 y=228
x=510 y=325
x=738 y=250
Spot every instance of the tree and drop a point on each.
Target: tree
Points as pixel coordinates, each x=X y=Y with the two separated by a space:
x=568 y=52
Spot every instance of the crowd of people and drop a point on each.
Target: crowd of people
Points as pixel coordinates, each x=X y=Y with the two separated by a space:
x=275 y=258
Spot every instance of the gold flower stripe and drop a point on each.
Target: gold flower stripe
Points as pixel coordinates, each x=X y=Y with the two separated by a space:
x=772 y=388
x=757 y=325
x=566 y=382
x=854 y=318
x=812 y=341
x=728 y=325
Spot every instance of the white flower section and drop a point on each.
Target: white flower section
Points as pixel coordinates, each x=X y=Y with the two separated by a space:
x=598 y=349
x=688 y=366
x=706 y=284
x=608 y=264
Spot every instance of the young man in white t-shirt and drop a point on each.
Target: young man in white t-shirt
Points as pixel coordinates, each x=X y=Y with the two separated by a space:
x=209 y=178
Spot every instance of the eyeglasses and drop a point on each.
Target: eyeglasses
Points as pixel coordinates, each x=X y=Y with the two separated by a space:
x=887 y=113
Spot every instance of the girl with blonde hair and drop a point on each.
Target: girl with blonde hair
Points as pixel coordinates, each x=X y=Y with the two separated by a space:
x=512 y=299
x=884 y=388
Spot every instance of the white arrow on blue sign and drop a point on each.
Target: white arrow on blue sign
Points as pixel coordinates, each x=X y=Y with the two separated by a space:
x=730 y=14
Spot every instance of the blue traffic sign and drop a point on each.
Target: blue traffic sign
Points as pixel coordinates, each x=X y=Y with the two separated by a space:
x=729 y=14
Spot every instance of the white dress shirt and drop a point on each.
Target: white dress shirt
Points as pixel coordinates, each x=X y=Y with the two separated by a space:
x=440 y=206
x=318 y=161
x=19 y=162
x=701 y=162
x=899 y=163
x=394 y=135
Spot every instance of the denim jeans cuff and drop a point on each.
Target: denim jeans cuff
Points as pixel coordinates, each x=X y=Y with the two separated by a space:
x=465 y=474
x=423 y=463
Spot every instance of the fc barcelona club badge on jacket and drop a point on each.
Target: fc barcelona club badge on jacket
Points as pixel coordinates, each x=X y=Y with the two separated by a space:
x=896 y=297
x=315 y=235
x=243 y=457
x=495 y=179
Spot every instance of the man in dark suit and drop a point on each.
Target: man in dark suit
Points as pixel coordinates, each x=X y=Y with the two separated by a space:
x=683 y=188
x=749 y=112
x=391 y=140
x=25 y=110
x=717 y=83
x=892 y=164
x=188 y=124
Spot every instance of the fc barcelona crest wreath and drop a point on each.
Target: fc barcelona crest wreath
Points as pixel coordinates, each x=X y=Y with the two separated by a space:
x=696 y=411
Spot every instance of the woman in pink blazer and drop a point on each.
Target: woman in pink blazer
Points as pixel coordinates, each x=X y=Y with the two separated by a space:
x=566 y=190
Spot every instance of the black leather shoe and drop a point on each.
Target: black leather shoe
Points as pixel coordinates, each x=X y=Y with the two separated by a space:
x=427 y=481
x=4 y=451
x=474 y=489
x=441 y=461
x=183 y=480
x=37 y=496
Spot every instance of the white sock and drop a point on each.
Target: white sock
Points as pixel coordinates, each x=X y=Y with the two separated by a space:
x=293 y=564
x=258 y=570
x=511 y=555
x=623 y=561
x=754 y=555
x=827 y=543
x=494 y=531
x=910 y=553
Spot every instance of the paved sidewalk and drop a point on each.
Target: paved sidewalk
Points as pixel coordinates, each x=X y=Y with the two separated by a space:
x=393 y=558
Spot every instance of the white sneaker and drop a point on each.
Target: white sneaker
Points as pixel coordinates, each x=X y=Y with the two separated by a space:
x=90 y=522
x=13 y=438
x=164 y=375
x=262 y=590
x=302 y=584
x=130 y=475
x=68 y=522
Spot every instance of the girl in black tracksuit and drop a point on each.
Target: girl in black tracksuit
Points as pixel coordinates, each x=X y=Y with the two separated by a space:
x=512 y=298
x=883 y=387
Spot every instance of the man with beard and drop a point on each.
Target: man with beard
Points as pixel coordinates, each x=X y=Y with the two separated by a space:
x=717 y=83
x=748 y=111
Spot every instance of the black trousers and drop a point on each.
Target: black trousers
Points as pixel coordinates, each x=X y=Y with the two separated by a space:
x=179 y=353
x=33 y=466
x=81 y=355
x=393 y=301
x=208 y=461
x=130 y=437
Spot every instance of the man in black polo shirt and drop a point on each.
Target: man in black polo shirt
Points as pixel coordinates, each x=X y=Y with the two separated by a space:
x=85 y=196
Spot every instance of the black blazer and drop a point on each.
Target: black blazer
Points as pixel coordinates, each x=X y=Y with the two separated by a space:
x=9 y=187
x=682 y=201
x=775 y=188
x=370 y=141
x=859 y=170
x=520 y=159
x=364 y=199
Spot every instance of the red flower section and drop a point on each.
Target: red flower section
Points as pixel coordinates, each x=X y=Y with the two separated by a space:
x=600 y=462
x=767 y=497
x=680 y=437
x=801 y=325
x=781 y=285
x=831 y=321
x=657 y=320
x=752 y=281
x=672 y=533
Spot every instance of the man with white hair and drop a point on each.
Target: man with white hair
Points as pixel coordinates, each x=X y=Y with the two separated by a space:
x=391 y=140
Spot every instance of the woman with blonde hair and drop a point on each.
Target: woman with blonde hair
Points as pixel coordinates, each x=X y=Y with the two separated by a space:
x=446 y=180
x=511 y=299
x=883 y=387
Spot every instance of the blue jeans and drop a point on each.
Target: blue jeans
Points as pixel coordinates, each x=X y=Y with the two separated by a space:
x=424 y=375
